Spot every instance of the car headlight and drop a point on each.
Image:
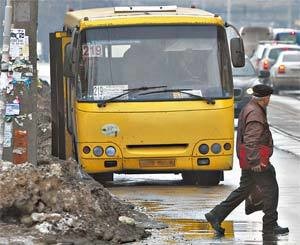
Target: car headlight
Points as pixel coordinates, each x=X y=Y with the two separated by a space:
x=249 y=91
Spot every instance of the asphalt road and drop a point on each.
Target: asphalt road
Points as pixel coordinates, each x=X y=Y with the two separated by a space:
x=182 y=207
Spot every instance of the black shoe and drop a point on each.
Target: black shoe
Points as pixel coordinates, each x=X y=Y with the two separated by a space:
x=277 y=230
x=214 y=222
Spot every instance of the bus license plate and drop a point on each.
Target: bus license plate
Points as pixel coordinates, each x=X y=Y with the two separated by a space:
x=146 y=163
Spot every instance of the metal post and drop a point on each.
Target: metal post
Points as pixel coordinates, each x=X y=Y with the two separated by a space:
x=228 y=11
x=289 y=13
x=4 y=68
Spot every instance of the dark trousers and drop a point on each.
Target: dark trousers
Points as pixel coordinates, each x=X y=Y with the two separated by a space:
x=268 y=184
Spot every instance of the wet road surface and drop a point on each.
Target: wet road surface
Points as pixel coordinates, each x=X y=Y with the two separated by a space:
x=182 y=207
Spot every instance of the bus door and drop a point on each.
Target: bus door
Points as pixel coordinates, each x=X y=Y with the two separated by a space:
x=60 y=95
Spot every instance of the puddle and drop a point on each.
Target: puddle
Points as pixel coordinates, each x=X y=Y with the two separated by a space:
x=154 y=206
x=191 y=229
x=197 y=229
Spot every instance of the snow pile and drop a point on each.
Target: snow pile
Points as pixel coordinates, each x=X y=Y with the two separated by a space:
x=54 y=200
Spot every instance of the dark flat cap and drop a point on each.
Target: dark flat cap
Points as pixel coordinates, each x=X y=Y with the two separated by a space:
x=262 y=90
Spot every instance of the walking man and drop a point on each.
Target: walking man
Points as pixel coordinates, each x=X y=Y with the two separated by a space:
x=254 y=148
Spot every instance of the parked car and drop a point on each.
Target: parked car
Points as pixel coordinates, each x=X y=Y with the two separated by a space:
x=271 y=53
x=285 y=73
x=244 y=78
x=252 y=35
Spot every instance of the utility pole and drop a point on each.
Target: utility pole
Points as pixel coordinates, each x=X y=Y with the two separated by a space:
x=4 y=69
x=229 y=11
x=20 y=130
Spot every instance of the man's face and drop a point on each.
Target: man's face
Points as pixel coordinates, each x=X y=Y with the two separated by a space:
x=266 y=100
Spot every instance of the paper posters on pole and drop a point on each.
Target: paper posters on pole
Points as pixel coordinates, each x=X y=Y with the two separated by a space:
x=7 y=134
x=17 y=36
x=3 y=80
x=17 y=41
x=25 y=48
x=12 y=109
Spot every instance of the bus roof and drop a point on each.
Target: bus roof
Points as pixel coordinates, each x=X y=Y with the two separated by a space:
x=73 y=18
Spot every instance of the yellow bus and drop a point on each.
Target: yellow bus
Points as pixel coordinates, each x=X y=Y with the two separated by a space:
x=144 y=89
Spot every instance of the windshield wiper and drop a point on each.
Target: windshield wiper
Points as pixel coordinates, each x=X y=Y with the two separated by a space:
x=103 y=103
x=183 y=91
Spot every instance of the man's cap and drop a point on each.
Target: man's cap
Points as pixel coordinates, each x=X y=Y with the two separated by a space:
x=261 y=90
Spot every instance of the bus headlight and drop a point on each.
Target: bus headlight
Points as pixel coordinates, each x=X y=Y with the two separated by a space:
x=110 y=151
x=216 y=148
x=249 y=91
x=98 y=151
x=203 y=149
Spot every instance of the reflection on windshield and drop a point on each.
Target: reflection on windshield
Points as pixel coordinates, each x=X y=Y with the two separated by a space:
x=175 y=57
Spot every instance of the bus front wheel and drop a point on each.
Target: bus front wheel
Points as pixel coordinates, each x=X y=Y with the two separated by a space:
x=205 y=178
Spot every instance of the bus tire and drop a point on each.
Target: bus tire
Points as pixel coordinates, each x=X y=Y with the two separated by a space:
x=203 y=178
x=103 y=177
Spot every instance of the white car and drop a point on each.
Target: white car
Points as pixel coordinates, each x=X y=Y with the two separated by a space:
x=271 y=53
x=258 y=52
x=285 y=73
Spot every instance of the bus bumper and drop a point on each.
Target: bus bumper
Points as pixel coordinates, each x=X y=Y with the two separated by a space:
x=171 y=165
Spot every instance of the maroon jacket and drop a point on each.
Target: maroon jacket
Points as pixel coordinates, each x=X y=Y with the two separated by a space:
x=253 y=135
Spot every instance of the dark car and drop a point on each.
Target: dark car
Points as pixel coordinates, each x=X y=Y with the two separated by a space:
x=244 y=78
x=287 y=34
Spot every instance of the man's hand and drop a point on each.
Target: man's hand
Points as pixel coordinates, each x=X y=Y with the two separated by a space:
x=256 y=168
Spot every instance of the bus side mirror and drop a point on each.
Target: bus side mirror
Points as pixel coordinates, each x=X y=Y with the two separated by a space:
x=68 y=64
x=237 y=52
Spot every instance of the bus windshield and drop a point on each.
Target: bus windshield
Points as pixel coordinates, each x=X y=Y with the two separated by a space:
x=177 y=58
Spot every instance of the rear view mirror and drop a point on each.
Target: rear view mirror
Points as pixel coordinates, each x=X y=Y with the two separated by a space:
x=264 y=74
x=237 y=52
